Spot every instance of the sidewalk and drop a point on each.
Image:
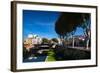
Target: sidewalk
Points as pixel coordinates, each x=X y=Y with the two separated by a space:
x=80 y=48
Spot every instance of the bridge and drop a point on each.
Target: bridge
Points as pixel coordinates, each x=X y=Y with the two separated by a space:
x=39 y=49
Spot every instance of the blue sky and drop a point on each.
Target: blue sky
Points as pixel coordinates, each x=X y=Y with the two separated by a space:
x=42 y=23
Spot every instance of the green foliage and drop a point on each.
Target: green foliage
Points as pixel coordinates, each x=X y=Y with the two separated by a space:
x=54 y=40
x=26 y=53
x=67 y=24
x=71 y=54
x=45 y=40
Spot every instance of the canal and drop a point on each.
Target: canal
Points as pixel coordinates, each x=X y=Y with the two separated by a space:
x=35 y=59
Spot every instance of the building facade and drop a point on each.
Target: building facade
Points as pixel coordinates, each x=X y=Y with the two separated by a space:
x=31 y=41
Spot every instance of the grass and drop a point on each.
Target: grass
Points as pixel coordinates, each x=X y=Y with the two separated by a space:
x=50 y=56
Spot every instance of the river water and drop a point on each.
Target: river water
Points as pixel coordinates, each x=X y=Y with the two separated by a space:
x=35 y=59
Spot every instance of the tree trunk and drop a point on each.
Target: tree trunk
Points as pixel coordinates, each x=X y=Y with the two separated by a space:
x=87 y=44
x=73 y=41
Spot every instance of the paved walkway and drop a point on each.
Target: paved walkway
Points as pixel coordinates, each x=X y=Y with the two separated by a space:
x=80 y=48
